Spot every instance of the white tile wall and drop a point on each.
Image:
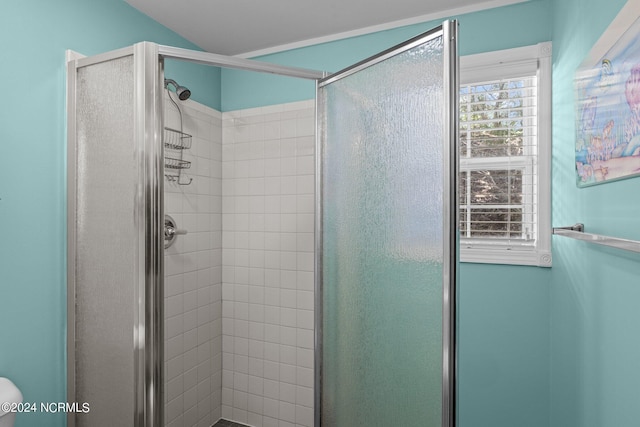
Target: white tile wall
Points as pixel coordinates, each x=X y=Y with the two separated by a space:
x=193 y=275
x=268 y=261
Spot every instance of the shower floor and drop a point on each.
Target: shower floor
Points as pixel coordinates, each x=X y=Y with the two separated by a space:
x=225 y=423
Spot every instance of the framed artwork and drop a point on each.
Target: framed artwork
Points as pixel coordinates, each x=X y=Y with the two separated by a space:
x=607 y=87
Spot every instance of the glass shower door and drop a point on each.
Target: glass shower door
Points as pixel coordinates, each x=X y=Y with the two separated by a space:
x=114 y=240
x=386 y=237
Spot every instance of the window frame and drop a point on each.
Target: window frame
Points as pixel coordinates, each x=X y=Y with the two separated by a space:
x=504 y=64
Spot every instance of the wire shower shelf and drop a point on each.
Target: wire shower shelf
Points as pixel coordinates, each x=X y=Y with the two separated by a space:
x=176 y=140
x=173 y=163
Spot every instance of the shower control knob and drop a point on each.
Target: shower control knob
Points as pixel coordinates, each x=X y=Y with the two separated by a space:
x=171 y=231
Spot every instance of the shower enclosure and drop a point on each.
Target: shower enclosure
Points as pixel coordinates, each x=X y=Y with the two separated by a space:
x=385 y=234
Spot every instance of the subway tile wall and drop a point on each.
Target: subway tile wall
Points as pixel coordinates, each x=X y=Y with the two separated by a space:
x=193 y=274
x=267 y=265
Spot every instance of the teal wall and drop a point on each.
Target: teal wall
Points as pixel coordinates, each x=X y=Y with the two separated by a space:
x=595 y=291
x=503 y=337
x=511 y=26
x=34 y=36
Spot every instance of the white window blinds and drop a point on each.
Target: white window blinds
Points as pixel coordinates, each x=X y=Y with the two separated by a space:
x=505 y=152
x=498 y=155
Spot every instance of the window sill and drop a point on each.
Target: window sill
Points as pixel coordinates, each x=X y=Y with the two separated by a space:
x=506 y=255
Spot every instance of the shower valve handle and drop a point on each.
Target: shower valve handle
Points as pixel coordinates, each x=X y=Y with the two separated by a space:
x=171 y=231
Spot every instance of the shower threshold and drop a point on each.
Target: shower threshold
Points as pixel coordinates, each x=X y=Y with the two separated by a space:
x=225 y=423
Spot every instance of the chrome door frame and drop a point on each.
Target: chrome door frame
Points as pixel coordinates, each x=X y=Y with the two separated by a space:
x=147 y=333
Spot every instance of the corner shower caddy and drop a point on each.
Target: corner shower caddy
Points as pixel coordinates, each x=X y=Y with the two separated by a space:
x=177 y=141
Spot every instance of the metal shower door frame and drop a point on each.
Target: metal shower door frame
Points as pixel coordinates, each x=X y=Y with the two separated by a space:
x=147 y=325
x=148 y=330
x=449 y=32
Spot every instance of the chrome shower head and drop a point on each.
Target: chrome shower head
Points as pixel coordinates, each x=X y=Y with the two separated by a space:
x=182 y=92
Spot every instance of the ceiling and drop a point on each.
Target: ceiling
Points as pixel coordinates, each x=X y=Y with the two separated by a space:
x=233 y=27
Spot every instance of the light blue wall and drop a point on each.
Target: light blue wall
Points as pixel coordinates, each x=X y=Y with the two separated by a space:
x=503 y=363
x=501 y=28
x=595 y=291
x=34 y=36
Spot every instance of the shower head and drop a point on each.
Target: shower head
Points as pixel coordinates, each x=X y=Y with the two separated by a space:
x=182 y=92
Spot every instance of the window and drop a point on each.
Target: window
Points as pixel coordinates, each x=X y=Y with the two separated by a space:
x=505 y=150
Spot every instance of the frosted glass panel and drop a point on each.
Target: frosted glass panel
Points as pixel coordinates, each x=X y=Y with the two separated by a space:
x=105 y=243
x=382 y=139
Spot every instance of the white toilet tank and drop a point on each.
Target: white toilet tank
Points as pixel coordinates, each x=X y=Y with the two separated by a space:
x=9 y=393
